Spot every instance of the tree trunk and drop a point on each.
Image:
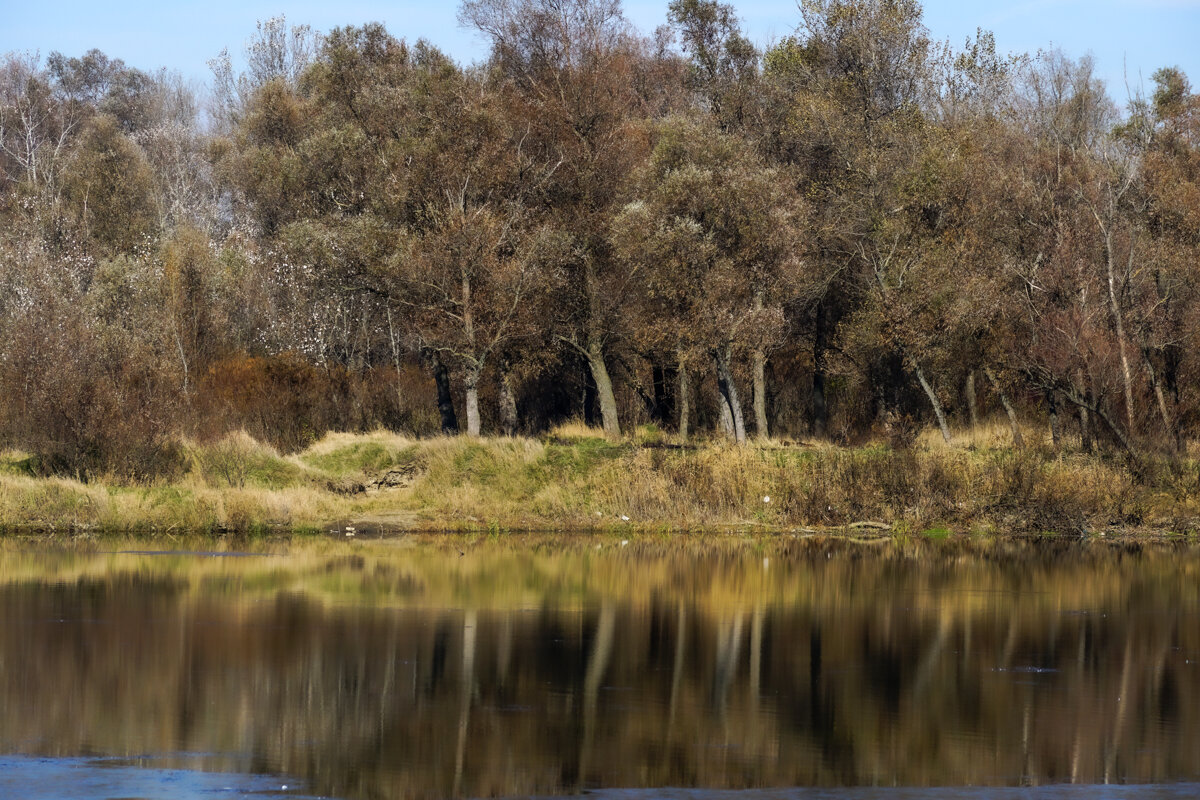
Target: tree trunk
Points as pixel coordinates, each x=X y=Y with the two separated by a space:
x=820 y=408
x=472 y=386
x=395 y=359
x=760 y=381
x=662 y=411
x=729 y=393
x=1086 y=441
x=972 y=400
x=667 y=398
x=684 y=402
x=729 y=645
x=1055 y=431
x=727 y=426
x=933 y=401
x=508 y=402
x=1018 y=440
x=604 y=387
x=1172 y=433
x=649 y=398
x=760 y=395
x=1115 y=307
x=677 y=672
x=589 y=398
x=441 y=378
x=1172 y=356
x=472 y=378
x=756 y=655
x=1094 y=407
x=895 y=382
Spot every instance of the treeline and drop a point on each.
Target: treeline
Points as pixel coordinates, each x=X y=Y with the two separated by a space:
x=856 y=231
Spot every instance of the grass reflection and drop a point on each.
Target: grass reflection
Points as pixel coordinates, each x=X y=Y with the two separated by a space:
x=535 y=570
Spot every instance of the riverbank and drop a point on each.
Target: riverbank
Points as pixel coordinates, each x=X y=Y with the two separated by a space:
x=576 y=480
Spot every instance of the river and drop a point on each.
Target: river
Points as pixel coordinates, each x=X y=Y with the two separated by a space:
x=510 y=665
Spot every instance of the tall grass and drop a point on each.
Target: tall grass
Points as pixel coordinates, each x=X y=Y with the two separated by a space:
x=576 y=478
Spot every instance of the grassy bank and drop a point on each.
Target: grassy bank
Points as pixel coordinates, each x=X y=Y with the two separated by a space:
x=575 y=479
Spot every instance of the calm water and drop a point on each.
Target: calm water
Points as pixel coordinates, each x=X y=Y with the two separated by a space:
x=512 y=667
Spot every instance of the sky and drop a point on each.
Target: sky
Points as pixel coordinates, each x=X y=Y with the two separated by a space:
x=1128 y=39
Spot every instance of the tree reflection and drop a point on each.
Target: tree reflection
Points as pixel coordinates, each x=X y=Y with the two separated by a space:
x=850 y=666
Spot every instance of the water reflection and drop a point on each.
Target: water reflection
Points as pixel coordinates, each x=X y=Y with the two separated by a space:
x=377 y=671
x=105 y=779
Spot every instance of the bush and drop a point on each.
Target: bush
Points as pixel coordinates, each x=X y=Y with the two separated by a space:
x=237 y=459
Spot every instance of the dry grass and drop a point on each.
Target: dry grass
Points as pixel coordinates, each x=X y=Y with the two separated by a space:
x=575 y=429
x=992 y=433
x=575 y=478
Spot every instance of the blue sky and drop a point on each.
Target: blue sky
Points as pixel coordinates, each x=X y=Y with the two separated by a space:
x=1124 y=36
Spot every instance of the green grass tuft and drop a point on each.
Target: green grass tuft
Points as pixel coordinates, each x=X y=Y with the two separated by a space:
x=14 y=462
x=361 y=458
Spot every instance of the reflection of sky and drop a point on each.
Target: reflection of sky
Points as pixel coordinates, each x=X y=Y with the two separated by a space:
x=100 y=779
x=1133 y=36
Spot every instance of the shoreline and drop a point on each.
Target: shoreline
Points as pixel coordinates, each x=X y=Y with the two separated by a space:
x=565 y=536
x=575 y=481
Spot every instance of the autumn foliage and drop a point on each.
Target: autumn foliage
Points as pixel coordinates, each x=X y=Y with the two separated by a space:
x=856 y=233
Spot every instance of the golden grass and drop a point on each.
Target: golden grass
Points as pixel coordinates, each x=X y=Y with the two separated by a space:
x=575 y=429
x=574 y=478
x=333 y=441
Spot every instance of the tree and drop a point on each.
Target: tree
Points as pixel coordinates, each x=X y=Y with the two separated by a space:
x=1169 y=226
x=407 y=188
x=714 y=234
x=467 y=282
x=276 y=52
x=565 y=72
x=35 y=127
x=95 y=83
x=845 y=101
x=723 y=70
x=1080 y=262
x=192 y=313
x=185 y=188
x=108 y=188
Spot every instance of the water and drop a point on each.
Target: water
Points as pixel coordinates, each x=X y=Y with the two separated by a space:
x=515 y=667
x=102 y=779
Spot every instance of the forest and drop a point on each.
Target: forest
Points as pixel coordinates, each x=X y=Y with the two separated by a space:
x=855 y=233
